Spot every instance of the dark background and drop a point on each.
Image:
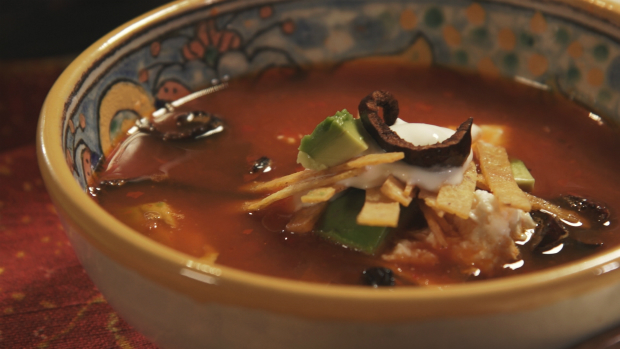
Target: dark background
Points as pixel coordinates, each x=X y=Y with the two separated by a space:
x=38 y=39
x=39 y=28
x=46 y=298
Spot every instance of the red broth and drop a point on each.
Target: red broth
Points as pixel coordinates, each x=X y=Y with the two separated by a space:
x=566 y=151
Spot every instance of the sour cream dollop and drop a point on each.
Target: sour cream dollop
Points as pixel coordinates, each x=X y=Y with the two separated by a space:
x=426 y=178
x=421 y=134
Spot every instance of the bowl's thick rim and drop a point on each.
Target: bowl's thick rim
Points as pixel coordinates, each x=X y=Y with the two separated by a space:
x=217 y=283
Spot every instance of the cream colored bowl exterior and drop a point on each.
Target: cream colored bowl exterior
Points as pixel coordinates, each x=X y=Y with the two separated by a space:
x=173 y=320
x=180 y=303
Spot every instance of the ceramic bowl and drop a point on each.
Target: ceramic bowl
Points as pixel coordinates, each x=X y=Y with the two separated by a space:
x=179 y=302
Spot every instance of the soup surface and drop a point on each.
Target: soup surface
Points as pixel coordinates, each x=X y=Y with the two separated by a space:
x=566 y=151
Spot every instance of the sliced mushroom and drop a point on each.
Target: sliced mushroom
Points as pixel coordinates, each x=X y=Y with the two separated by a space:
x=175 y=122
x=586 y=239
x=594 y=211
x=548 y=234
x=179 y=125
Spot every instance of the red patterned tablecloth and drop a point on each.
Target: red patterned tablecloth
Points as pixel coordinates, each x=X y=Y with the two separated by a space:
x=46 y=298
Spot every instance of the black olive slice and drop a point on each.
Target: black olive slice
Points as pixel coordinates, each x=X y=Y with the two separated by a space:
x=261 y=165
x=450 y=153
x=378 y=276
x=180 y=125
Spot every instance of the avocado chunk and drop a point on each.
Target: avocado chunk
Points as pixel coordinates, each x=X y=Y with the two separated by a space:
x=522 y=175
x=339 y=225
x=334 y=141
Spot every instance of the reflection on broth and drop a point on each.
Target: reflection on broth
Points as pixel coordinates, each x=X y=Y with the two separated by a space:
x=534 y=187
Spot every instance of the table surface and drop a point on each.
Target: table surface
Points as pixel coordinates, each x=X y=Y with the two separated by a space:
x=46 y=298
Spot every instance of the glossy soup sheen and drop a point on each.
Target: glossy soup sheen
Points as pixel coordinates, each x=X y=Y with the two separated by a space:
x=566 y=151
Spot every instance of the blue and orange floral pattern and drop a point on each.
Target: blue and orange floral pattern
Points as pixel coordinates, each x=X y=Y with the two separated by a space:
x=561 y=50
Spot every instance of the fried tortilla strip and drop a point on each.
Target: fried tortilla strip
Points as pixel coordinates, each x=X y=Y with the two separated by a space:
x=495 y=168
x=457 y=199
x=430 y=199
x=395 y=190
x=493 y=134
x=481 y=183
x=298 y=188
x=317 y=195
x=431 y=219
x=362 y=161
x=304 y=219
x=378 y=210
x=408 y=191
x=374 y=159
x=543 y=205
x=445 y=226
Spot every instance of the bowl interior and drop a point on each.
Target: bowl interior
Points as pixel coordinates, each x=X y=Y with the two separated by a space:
x=191 y=45
x=175 y=55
